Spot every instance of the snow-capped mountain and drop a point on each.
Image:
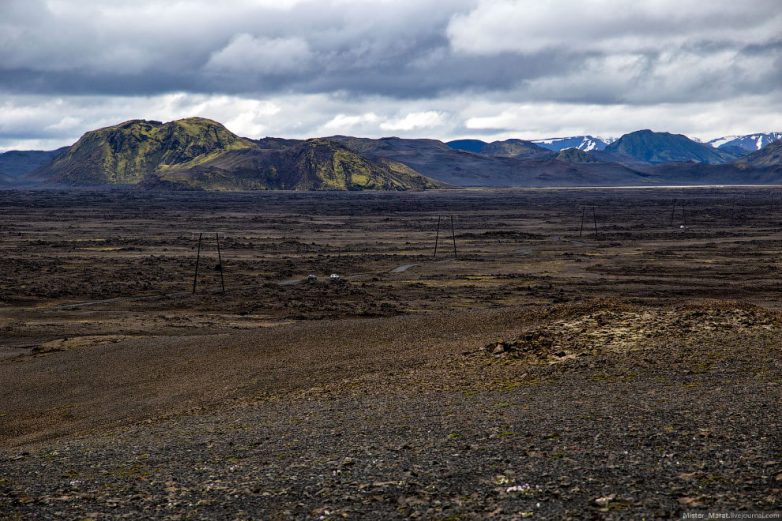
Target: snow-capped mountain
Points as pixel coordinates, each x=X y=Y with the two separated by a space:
x=585 y=143
x=749 y=143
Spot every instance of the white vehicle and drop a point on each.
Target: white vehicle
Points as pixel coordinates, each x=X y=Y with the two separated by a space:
x=334 y=277
x=312 y=278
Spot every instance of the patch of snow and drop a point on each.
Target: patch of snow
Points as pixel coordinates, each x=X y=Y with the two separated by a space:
x=748 y=142
x=585 y=143
x=716 y=143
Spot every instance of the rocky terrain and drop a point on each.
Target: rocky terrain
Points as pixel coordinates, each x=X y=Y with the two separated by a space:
x=548 y=370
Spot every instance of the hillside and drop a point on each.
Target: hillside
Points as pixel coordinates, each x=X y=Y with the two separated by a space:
x=768 y=157
x=438 y=160
x=663 y=147
x=201 y=154
x=475 y=146
x=17 y=163
x=575 y=155
x=517 y=148
x=315 y=164
x=514 y=148
x=126 y=153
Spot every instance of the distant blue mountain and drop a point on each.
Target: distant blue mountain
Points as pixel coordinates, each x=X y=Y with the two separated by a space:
x=468 y=145
x=663 y=147
x=16 y=163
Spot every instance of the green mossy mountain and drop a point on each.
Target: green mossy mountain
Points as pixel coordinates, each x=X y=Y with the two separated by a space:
x=574 y=155
x=201 y=154
x=315 y=164
x=128 y=152
x=513 y=148
x=663 y=147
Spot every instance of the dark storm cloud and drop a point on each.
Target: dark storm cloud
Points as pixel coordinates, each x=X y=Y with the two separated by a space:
x=232 y=47
x=395 y=49
x=374 y=67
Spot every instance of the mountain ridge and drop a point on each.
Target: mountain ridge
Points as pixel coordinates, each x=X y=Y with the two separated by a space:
x=315 y=164
x=747 y=143
x=504 y=148
x=585 y=143
x=127 y=152
x=663 y=147
x=201 y=154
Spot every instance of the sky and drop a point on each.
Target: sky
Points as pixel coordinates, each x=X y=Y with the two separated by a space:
x=487 y=69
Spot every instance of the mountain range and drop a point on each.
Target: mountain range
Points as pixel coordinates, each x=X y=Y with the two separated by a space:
x=739 y=145
x=748 y=143
x=201 y=154
x=585 y=143
x=509 y=148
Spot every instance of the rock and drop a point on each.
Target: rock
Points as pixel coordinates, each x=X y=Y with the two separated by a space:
x=688 y=501
x=604 y=500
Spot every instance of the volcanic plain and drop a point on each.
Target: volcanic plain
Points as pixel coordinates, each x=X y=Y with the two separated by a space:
x=565 y=354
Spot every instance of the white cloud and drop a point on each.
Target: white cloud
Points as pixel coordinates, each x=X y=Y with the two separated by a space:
x=701 y=120
x=415 y=121
x=342 y=123
x=34 y=122
x=31 y=121
x=66 y=123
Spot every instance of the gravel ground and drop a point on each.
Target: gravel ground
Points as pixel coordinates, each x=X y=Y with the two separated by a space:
x=634 y=413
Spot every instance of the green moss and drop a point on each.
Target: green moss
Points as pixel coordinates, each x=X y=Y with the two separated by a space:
x=128 y=152
x=200 y=154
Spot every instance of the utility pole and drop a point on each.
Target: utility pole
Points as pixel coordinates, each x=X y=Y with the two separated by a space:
x=220 y=261
x=198 y=258
x=673 y=211
x=437 y=236
x=453 y=235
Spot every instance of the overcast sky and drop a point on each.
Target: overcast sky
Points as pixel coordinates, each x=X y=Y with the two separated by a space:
x=420 y=68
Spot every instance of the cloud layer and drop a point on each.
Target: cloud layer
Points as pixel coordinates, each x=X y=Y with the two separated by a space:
x=486 y=68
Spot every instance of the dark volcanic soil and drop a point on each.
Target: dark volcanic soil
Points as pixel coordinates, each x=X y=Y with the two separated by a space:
x=540 y=374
